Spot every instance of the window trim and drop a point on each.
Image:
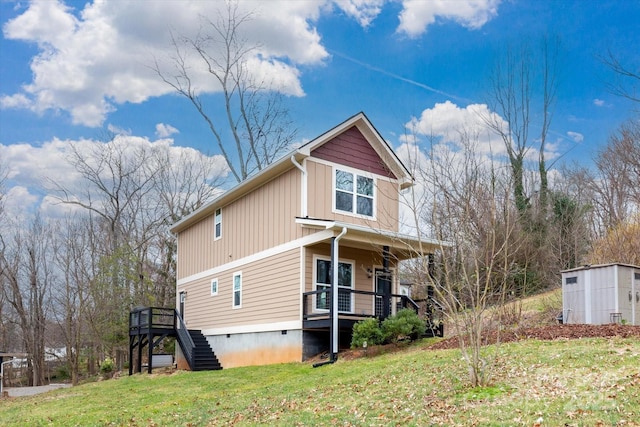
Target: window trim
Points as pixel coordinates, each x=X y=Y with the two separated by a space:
x=233 y=290
x=214 y=293
x=572 y=280
x=314 y=273
x=355 y=173
x=217 y=220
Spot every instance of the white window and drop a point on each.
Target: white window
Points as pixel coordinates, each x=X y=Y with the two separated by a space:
x=345 y=284
x=354 y=193
x=214 y=287
x=217 y=223
x=237 y=290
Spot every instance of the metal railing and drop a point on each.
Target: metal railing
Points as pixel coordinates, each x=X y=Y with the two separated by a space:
x=151 y=318
x=142 y=320
x=184 y=339
x=315 y=303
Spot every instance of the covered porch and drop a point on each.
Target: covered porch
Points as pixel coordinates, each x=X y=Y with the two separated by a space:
x=365 y=262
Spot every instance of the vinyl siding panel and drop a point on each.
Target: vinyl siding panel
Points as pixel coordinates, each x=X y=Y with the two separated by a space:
x=352 y=149
x=362 y=304
x=262 y=219
x=320 y=199
x=270 y=294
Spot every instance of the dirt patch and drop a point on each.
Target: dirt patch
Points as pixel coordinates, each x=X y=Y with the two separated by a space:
x=549 y=332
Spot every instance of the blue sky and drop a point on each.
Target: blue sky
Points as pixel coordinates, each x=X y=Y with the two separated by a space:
x=69 y=70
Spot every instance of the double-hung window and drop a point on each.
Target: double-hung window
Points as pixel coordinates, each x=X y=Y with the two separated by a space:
x=237 y=290
x=217 y=224
x=354 y=193
x=323 y=283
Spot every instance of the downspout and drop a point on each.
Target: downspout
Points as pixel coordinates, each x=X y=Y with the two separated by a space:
x=334 y=332
x=303 y=187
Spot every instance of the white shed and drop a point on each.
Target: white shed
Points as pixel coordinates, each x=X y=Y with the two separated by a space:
x=601 y=294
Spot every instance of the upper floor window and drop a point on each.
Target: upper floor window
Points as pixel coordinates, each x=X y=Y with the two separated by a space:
x=214 y=287
x=217 y=224
x=354 y=193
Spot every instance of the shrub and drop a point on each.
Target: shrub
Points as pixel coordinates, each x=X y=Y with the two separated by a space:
x=366 y=330
x=107 y=366
x=405 y=324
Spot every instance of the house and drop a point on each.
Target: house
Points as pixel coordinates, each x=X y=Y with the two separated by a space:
x=601 y=294
x=254 y=266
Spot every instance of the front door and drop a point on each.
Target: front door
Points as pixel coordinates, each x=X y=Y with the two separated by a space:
x=383 y=286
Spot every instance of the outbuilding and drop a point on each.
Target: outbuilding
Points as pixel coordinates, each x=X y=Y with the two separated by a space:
x=601 y=294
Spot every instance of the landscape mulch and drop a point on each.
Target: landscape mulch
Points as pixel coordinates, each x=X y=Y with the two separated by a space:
x=549 y=332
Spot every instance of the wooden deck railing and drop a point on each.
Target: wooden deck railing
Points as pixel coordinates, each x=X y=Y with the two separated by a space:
x=156 y=319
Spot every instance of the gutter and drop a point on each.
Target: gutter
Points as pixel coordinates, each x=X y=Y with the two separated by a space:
x=334 y=332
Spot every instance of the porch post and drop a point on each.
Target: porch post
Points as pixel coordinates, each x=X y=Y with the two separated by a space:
x=386 y=281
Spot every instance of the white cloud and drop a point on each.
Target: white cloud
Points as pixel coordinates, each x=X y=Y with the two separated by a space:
x=95 y=59
x=598 y=102
x=165 y=131
x=364 y=11
x=451 y=124
x=417 y=15
x=17 y=100
x=117 y=130
x=577 y=137
x=18 y=200
x=33 y=171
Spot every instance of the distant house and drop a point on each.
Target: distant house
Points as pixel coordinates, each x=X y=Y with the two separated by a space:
x=601 y=294
x=255 y=266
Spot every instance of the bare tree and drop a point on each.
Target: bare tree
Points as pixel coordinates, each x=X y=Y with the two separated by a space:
x=626 y=74
x=255 y=128
x=76 y=263
x=130 y=194
x=467 y=202
x=513 y=84
x=27 y=275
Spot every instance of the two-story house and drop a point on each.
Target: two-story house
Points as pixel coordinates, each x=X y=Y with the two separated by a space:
x=255 y=266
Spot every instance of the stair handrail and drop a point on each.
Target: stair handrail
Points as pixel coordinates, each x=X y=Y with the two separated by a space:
x=184 y=339
x=408 y=302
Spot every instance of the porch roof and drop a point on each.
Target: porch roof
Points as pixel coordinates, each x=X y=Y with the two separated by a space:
x=403 y=246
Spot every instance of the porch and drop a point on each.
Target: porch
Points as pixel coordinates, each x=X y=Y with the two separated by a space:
x=316 y=313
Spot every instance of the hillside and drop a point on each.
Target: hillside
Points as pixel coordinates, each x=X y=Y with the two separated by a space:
x=587 y=381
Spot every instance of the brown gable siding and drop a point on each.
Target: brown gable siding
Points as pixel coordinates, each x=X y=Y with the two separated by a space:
x=351 y=148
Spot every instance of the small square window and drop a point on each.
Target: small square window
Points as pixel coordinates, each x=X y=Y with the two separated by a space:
x=214 y=287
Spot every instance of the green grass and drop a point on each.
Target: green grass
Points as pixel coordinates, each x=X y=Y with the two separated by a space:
x=578 y=382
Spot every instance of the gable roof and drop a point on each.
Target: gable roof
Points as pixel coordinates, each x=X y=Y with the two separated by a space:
x=360 y=121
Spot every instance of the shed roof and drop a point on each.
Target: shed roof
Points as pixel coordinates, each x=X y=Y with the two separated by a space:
x=595 y=266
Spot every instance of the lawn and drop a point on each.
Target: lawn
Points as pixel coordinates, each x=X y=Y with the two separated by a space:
x=583 y=382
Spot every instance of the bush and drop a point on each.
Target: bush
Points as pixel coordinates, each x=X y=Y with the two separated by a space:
x=107 y=366
x=404 y=325
x=366 y=331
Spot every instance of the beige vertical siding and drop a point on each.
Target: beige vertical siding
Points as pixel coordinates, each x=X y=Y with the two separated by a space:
x=361 y=259
x=262 y=219
x=270 y=294
x=320 y=199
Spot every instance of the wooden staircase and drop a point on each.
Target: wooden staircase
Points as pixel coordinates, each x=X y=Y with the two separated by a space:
x=148 y=326
x=204 y=359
